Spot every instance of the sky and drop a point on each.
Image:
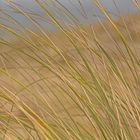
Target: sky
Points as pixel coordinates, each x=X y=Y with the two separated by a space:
x=124 y=6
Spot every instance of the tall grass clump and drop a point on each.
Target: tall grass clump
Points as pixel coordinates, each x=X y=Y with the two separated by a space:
x=79 y=82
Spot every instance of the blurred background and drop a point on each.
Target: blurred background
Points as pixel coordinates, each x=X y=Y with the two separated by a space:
x=84 y=11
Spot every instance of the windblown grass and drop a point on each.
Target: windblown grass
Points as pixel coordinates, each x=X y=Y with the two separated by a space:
x=78 y=83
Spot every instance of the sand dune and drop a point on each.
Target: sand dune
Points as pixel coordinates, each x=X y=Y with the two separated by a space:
x=33 y=72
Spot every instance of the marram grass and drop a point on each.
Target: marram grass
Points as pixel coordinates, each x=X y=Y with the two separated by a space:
x=79 y=82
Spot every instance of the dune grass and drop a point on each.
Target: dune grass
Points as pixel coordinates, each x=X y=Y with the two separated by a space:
x=80 y=82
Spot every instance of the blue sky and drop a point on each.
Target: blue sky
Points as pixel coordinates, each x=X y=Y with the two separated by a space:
x=124 y=5
x=74 y=6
